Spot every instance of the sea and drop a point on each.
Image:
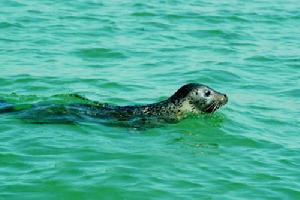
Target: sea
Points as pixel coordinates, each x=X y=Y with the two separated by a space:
x=129 y=52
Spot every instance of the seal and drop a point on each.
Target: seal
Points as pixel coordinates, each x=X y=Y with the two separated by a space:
x=192 y=98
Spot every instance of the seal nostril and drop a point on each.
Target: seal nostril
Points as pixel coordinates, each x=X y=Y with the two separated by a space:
x=226 y=98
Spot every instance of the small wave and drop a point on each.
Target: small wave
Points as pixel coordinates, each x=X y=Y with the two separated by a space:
x=8 y=25
x=100 y=53
x=214 y=33
x=127 y=87
x=156 y=24
x=260 y=58
x=236 y=18
x=179 y=16
x=290 y=92
x=143 y=14
x=221 y=75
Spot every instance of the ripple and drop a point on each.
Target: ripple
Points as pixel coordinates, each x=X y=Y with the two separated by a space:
x=100 y=53
x=158 y=25
x=261 y=58
x=9 y=25
x=218 y=33
x=125 y=52
x=221 y=75
x=143 y=14
x=289 y=93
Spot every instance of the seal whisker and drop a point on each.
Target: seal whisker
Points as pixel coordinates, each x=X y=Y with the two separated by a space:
x=215 y=108
x=211 y=107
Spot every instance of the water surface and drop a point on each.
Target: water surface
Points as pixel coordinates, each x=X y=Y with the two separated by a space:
x=130 y=52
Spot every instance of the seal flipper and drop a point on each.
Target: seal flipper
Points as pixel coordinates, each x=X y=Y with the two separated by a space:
x=6 y=107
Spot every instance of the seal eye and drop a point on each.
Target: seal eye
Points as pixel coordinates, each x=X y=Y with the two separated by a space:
x=207 y=93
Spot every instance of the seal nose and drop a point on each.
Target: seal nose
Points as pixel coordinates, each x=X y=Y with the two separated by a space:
x=224 y=98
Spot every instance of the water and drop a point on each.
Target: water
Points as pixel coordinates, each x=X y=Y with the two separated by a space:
x=130 y=52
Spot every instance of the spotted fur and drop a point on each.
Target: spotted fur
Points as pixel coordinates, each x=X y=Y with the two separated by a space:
x=188 y=99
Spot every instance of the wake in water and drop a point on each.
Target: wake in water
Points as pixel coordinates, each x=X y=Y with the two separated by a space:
x=5 y=107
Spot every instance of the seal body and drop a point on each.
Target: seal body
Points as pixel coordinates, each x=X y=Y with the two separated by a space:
x=192 y=98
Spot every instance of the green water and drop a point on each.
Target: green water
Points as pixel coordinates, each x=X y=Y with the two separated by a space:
x=130 y=52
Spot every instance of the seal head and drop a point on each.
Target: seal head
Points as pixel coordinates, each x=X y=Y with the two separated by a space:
x=198 y=98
